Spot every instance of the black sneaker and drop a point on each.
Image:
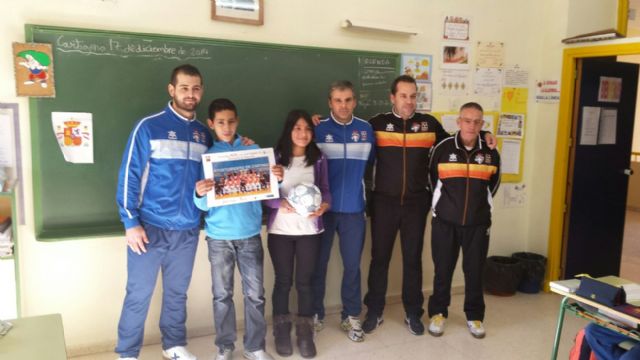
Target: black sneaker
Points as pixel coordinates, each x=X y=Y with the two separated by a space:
x=415 y=325
x=371 y=322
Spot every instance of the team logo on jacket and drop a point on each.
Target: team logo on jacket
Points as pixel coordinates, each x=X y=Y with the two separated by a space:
x=487 y=159
x=197 y=136
x=328 y=138
x=424 y=126
x=172 y=135
x=390 y=127
x=453 y=157
x=355 y=136
x=415 y=127
x=479 y=158
x=363 y=135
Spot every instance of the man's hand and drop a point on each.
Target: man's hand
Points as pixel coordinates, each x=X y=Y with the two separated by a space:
x=136 y=238
x=203 y=187
x=315 y=119
x=247 y=141
x=491 y=140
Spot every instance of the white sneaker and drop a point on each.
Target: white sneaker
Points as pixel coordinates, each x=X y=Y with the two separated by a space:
x=352 y=325
x=178 y=353
x=257 y=355
x=436 y=325
x=318 y=324
x=127 y=358
x=224 y=354
x=476 y=329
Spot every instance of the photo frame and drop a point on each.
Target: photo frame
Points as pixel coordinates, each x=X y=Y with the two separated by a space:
x=240 y=11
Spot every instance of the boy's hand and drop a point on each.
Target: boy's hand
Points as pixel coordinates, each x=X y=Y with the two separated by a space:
x=491 y=140
x=321 y=210
x=247 y=141
x=203 y=187
x=286 y=207
x=278 y=171
x=136 y=238
x=315 y=119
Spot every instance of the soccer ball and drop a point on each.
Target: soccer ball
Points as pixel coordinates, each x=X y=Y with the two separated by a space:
x=305 y=198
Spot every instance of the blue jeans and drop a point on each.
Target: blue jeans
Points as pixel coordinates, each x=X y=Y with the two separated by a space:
x=173 y=251
x=351 y=230
x=248 y=254
x=604 y=343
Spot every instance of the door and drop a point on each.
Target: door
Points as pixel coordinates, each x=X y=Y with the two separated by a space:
x=598 y=173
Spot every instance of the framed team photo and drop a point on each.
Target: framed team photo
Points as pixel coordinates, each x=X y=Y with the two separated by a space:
x=240 y=176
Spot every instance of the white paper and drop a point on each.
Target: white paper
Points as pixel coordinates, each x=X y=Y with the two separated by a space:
x=515 y=195
x=490 y=54
x=516 y=77
x=424 y=98
x=455 y=55
x=74 y=132
x=511 y=125
x=454 y=82
x=548 y=91
x=487 y=81
x=7 y=142
x=456 y=28
x=240 y=176
x=510 y=156
x=488 y=122
x=607 y=128
x=610 y=89
x=590 y=124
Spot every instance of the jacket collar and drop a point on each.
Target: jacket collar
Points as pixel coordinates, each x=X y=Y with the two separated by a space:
x=393 y=110
x=460 y=145
x=339 y=122
x=175 y=113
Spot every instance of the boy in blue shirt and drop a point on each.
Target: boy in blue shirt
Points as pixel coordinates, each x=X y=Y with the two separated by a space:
x=233 y=236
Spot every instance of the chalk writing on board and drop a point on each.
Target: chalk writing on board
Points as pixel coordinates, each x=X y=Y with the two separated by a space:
x=130 y=48
x=375 y=75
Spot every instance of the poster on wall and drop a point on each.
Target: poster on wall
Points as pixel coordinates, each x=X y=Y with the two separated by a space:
x=455 y=55
x=610 y=89
x=490 y=54
x=417 y=66
x=74 y=133
x=548 y=91
x=456 y=28
x=425 y=96
x=33 y=69
x=455 y=82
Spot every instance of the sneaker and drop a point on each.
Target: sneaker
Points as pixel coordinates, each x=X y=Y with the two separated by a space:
x=371 y=322
x=352 y=325
x=415 y=325
x=127 y=358
x=257 y=355
x=318 y=324
x=224 y=354
x=436 y=325
x=178 y=353
x=476 y=329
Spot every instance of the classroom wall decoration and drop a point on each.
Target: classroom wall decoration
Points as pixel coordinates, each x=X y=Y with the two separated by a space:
x=33 y=68
x=239 y=11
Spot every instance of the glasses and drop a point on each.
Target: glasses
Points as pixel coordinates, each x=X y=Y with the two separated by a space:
x=475 y=122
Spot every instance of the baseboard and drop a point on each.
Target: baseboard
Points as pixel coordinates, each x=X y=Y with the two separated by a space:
x=154 y=339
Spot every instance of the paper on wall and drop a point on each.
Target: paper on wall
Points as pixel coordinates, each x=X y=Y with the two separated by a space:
x=74 y=132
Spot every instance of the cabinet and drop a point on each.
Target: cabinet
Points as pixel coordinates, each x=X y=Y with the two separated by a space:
x=9 y=264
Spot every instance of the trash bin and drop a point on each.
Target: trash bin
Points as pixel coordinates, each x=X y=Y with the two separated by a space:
x=502 y=274
x=533 y=268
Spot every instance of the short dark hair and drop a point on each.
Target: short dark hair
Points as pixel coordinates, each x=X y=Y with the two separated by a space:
x=221 y=104
x=284 y=147
x=472 y=105
x=341 y=85
x=399 y=79
x=186 y=69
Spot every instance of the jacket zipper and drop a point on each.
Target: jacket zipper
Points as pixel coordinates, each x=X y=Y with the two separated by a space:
x=344 y=163
x=466 y=194
x=404 y=160
x=186 y=172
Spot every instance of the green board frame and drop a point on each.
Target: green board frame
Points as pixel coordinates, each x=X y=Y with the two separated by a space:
x=120 y=77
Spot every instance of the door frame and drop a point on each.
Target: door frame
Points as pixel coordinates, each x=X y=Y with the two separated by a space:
x=564 y=142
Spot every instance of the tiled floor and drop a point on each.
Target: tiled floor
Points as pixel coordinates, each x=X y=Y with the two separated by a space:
x=519 y=327
x=630 y=262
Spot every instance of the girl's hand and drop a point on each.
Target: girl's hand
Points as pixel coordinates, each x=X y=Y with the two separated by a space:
x=203 y=187
x=286 y=207
x=321 y=210
x=278 y=171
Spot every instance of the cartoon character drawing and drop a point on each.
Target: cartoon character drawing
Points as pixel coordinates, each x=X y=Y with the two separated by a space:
x=37 y=62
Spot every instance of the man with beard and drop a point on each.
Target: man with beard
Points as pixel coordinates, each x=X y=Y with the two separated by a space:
x=160 y=165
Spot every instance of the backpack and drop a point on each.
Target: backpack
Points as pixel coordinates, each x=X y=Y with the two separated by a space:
x=581 y=349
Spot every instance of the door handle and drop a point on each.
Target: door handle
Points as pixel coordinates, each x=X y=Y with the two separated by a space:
x=627 y=172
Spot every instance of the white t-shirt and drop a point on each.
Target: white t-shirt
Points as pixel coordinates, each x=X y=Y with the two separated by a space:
x=293 y=223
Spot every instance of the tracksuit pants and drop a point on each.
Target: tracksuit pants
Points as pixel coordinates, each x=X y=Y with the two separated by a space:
x=351 y=229
x=173 y=251
x=389 y=215
x=446 y=241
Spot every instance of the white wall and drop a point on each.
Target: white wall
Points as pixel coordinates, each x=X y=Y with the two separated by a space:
x=84 y=279
x=591 y=15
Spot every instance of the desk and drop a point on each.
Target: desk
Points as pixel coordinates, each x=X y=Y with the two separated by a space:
x=566 y=305
x=34 y=338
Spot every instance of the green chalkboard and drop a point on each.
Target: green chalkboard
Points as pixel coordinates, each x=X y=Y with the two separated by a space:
x=121 y=77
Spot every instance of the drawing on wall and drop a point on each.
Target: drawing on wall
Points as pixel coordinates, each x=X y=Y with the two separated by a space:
x=417 y=66
x=33 y=68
